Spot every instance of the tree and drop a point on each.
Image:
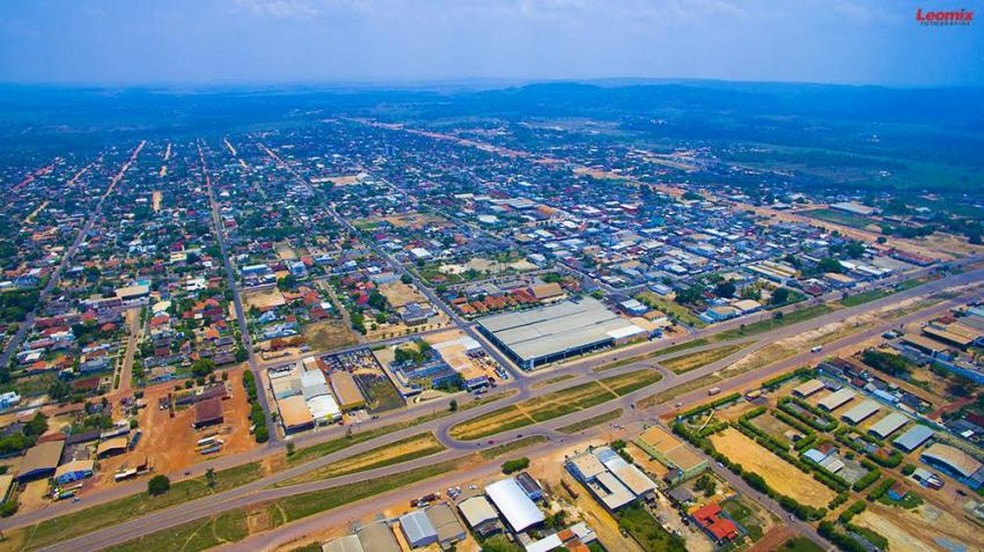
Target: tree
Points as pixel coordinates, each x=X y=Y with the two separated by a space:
x=202 y=367
x=725 y=288
x=210 y=477
x=453 y=405
x=780 y=296
x=158 y=485
x=406 y=279
x=37 y=426
x=290 y=448
x=830 y=264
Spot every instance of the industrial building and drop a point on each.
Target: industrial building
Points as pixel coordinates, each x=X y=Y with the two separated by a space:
x=480 y=516
x=836 y=399
x=613 y=481
x=348 y=543
x=208 y=412
x=861 y=412
x=417 y=529
x=888 y=425
x=806 y=389
x=40 y=461
x=518 y=510
x=112 y=447
x=666 y=449
x=449 y=529
x=955 y=463
x=303 y=396
x=74 y=471
x=536 y=337
x=913 y=438
x=378 y=537
x=346 y=391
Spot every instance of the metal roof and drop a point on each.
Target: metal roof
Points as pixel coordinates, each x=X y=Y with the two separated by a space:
x=889 y=424
x=862 y=411
x=913 y=438
x=952 y=457
x=836 y=399
x=512 y=502
x=348 y=543
x=418 y=528
x=477 y=510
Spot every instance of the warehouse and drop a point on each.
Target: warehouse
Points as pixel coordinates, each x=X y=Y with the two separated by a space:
x=888 y=425
x=519 y=511
x=955 y=463
x=378 y=537
x=861 y=412
x=480 y=516
x=207 y=413
x=348 y=543
x=40 y=461
x=613 y=481
x=836 y=399
x=417 y=529
x=913 y=438
x=74 y=471
x=804 y=390
x=346 y=391
x=672 y=453
x=449 y=529
x=536 y=337
x=294 y=414
x=112 y=447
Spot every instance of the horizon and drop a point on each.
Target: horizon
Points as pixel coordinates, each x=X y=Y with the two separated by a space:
x=395 y=42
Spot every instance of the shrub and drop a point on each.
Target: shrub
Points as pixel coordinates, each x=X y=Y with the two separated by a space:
x=513 y=466
x=158 y=485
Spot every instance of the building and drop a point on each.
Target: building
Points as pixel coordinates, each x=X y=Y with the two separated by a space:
x=861 y=412
x=836 y=399
x=913 y=438
x=530 y=486
x=74 y=471
x=40 y=461
x=672 y=453
x=955 y=463
x=417 y=529
x=348 y=543
x=854 y=208
x=112 y=447
x=927 y=478
x=536 y=337
x=480 y=516
x=130 y=293
x=888 y=425
x=449 y=529
x=710 y=518
x=378 y=537
x=208 y=413
x=613 y=481
x=518 y=510
x=808 y=388
x=346 y=391
x=294 y=414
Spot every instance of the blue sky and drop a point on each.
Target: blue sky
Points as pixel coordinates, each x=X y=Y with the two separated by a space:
x=323 y=41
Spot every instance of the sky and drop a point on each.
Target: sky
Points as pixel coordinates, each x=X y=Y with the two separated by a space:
x=221 y=42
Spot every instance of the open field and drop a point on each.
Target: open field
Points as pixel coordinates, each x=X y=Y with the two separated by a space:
x=778 y=474
x=875 y=294
x=399 y=294
x=676 y=391
x=328 y=335
x=411 y=448
x=668 y=307
x=626 y=383
x=685 y=363
x=762 y=326
x=591 y=422
x=918 y=528
x=519 y=444
x=541 y=409
x=839 y=217
x=263 y=298
x=551 y=381
x=103 y=515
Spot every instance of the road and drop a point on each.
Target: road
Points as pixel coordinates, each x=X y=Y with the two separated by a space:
x=257 y=492
x=247 y=342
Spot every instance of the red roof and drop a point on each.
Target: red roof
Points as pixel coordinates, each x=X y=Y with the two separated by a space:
x=709 y=518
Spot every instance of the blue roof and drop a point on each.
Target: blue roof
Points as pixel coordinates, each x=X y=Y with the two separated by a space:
x=815 y=455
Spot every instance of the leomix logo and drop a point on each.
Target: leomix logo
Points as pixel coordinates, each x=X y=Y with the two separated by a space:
x=944 y=18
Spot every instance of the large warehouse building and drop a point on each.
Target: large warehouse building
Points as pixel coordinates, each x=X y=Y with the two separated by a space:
x=536 y=337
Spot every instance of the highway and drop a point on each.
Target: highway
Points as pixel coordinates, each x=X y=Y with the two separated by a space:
x=257 y=491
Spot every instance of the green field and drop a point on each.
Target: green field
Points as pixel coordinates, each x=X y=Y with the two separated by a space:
x=404 y=450
x=670 y=308
x=838 y=217
x=107 y=514
x=644 y=529
x=875 y=294
x=519 y=444
x=762 y=326
x=691 y=361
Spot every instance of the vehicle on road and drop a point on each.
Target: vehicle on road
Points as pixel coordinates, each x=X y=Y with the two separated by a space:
x=816 y=349
x=713 y=391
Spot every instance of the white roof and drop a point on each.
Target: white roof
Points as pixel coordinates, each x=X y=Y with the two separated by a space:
x=512 y=502
x=323 y=406
x=477 y=510
x=889 y=424
x=545 y=544
x=837 y=398
x=626 y=331
x=861 y=412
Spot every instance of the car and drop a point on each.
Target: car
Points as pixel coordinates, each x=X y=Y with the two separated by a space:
x=816 y=349
x=719 y=464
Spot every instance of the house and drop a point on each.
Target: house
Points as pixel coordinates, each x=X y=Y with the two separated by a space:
x=711 y=519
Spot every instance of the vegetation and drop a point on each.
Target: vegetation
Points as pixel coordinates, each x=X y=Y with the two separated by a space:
x=650 y=535
x=513 y=466
x=158 y=485
x=591 y=422
x=261 y=433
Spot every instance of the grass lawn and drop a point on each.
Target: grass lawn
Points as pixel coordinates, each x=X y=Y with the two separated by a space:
x=232 y=526
x=838 y=217
x=875 y=294
x=740 y=512
x=674 y=392
x=647 y=532
x=103 y=515
x=670 y=308
x=404 y=450
x=626 y=383
x=591 y=422
x=763 y=326
x=519 y=444
x=543 y=408
x=691 y=361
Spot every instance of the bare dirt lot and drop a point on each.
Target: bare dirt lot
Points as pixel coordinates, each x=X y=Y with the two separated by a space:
x=263 y=298
x=169 y=444
x=328 y=335
x=780 y=475
x=916 y=529
x=399 y=294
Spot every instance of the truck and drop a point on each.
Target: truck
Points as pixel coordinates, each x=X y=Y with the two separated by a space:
x=816 y=349
x=426 y=499
x=713 y=391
